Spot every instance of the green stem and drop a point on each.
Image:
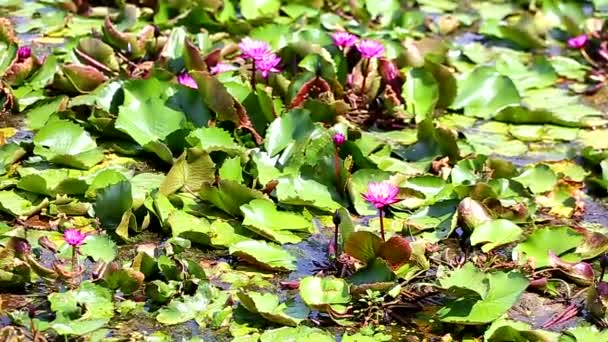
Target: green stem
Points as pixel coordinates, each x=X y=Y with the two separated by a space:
x=253 y=75
x=74 y=260
x=338 y=173
x=365 y=69
x=380 y=214
x=336 y=241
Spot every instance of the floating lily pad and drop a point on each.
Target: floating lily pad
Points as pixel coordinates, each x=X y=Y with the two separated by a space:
x=264 y=255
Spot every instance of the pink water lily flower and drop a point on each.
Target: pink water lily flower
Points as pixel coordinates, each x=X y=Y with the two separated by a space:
x=578 y=41
x=185 y=79
x=221 y=67
x=381 y=194
x=339 y=139
x=370 y=48
x=268 y=63
x=74 y=237
x=23 y=53
x=344 y=39
x=254 y=49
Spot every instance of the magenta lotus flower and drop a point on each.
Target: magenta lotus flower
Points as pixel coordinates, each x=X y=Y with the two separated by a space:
x=23 y=53
x=254 y=49
x=381 y=194
x=268 y=63
x=74 y=237
x=344 y=39
x=578 y=41
x=185 y=79
x=221 y=67
x=339 y=139
x=370 y=48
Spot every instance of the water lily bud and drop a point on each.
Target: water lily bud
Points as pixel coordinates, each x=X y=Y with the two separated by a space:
x=337 y=219
x=31 y=311
x=604 y=260
x=22 y=247
x=472 y=213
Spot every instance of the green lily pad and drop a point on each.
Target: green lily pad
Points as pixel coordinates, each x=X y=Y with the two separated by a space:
x=229 y=196
x=21 y=204
x=262 y=217
x=536 y=247
x=99 y=248
x=64 y=142
x=264 y=255
x=538 y=179
x=184 y=225
x=495 y=233
x=488 y=296
x=189 y=171
x=268 y=306
x=325 y=293
x=301 y=333
x=483 y=92
x=296 y=190
x=186 y=308
x=421 y=91
x=504 y=329
x=71 y=320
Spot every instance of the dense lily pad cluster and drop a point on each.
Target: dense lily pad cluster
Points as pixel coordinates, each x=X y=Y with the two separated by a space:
x=259 y=170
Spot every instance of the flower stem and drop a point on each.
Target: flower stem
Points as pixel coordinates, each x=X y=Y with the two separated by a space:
x=33 y=329
x=338 y=173
x=336 y=253
x=587 y=58
x=365 y=69
x=380 y=214
x=253 y=75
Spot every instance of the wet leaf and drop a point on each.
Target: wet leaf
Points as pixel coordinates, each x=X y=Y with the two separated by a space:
x=146 y=117
x=505 y=329
x=70 y=320
x=267 y=256
x=297 y=190
x=99 y=248
x=494 y=295
x=195 y=229
x=484 y=101
x=185 y=308
x=324 y=293
x=112 y=203
x=301 y=333
x=536 y=247
x=268 y=306
x=259 y=8
x=21 y=204
x=495 y=233
x=211 y=139
x=189 y=172
x=263 y=218
x=229 y=196
x=364 y=246
x=421 y=91
x=66 y=143
x=396 y=251
x=538 y=179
